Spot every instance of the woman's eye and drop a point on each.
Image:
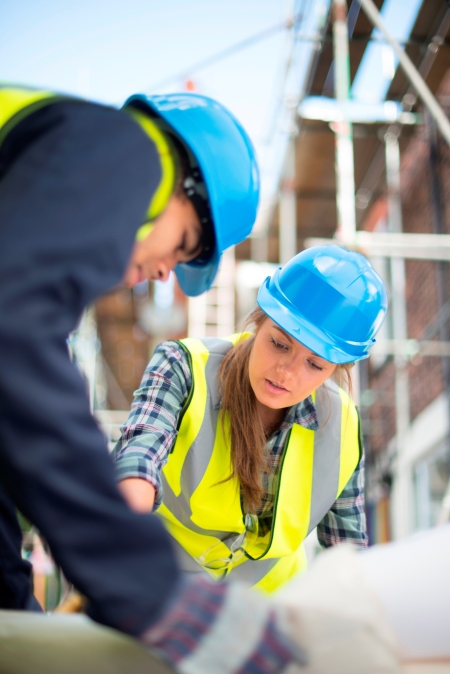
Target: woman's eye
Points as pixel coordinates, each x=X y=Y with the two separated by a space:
x=277 y=345
x=315 y=366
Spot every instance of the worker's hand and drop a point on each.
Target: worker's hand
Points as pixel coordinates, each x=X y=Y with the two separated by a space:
x=73 y=603
x=138 y=493
x=222 y=628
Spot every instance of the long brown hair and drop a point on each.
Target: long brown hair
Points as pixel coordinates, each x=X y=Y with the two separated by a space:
x=248 y=437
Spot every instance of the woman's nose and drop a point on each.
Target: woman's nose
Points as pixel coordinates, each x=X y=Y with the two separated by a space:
x=281 y=365
x=289 y=363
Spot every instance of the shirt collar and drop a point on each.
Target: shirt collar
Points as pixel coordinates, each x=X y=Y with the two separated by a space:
x=304 y=414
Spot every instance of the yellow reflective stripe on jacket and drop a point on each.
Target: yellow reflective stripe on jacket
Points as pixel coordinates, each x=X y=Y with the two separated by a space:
x=168 y=170
x=16 y=103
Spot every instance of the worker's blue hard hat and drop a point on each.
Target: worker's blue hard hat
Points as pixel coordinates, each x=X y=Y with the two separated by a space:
x=227 y=162
x=330 y=299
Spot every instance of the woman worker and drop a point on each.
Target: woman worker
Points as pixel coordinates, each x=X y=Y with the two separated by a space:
x=244 y=444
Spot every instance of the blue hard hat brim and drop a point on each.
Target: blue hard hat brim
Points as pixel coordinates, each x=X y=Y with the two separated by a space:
x=227 y=161
x=315 y=339
x=195 y=278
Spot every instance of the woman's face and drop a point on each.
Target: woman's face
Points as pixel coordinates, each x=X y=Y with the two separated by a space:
x=282 y=371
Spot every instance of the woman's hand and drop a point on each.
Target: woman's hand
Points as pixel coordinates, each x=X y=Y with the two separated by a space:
x=138 y=493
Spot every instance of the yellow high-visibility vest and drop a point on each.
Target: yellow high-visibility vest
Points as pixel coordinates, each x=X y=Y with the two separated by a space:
x=204 y=514
x=17 y=102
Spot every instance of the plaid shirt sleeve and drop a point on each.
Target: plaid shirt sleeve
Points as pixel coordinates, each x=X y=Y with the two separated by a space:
x=346 y=520
x=150 y=430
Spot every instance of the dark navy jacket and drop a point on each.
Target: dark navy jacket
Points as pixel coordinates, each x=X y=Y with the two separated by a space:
x=76 y=180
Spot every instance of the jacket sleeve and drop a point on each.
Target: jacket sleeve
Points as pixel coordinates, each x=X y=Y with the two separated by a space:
x=71 y=201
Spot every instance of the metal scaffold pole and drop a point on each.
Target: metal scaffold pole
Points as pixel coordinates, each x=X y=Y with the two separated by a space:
x=345 y=173
x=344 y=163
x=288 y=207
x=402 y=488
x=394 y=244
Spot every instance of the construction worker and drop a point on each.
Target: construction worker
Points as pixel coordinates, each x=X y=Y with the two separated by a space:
x=245 y=444
x=90 y=195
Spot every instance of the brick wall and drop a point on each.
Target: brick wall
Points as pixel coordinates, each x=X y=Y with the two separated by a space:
x=426 y=374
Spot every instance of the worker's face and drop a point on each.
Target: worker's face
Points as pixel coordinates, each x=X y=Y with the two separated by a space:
x=282 y=371
x=176 y=237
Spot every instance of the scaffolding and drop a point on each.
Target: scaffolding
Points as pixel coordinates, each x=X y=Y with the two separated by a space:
x=394 y=245
x=402 y=497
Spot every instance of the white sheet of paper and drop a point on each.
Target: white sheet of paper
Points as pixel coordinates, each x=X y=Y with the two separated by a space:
x=411 y=579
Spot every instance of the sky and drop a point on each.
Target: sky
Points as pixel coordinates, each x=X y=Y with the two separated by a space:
x=372 y=82
x=107 y=50
x=111 y=49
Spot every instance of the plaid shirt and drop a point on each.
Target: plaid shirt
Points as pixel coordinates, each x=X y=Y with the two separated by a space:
x=150 y=432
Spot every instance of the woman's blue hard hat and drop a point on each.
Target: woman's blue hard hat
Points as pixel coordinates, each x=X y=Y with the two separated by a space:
x=227 y=162
x=330 y=299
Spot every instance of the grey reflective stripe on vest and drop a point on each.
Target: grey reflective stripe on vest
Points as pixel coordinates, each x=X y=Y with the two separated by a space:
x=327 y=444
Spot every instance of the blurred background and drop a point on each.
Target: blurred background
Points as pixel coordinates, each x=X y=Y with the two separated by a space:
x=346 y=148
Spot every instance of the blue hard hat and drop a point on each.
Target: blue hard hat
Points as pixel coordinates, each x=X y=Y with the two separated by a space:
x=330 y=299
x=227 y=162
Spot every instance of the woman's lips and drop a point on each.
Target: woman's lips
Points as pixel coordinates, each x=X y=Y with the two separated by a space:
x=274 y=388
